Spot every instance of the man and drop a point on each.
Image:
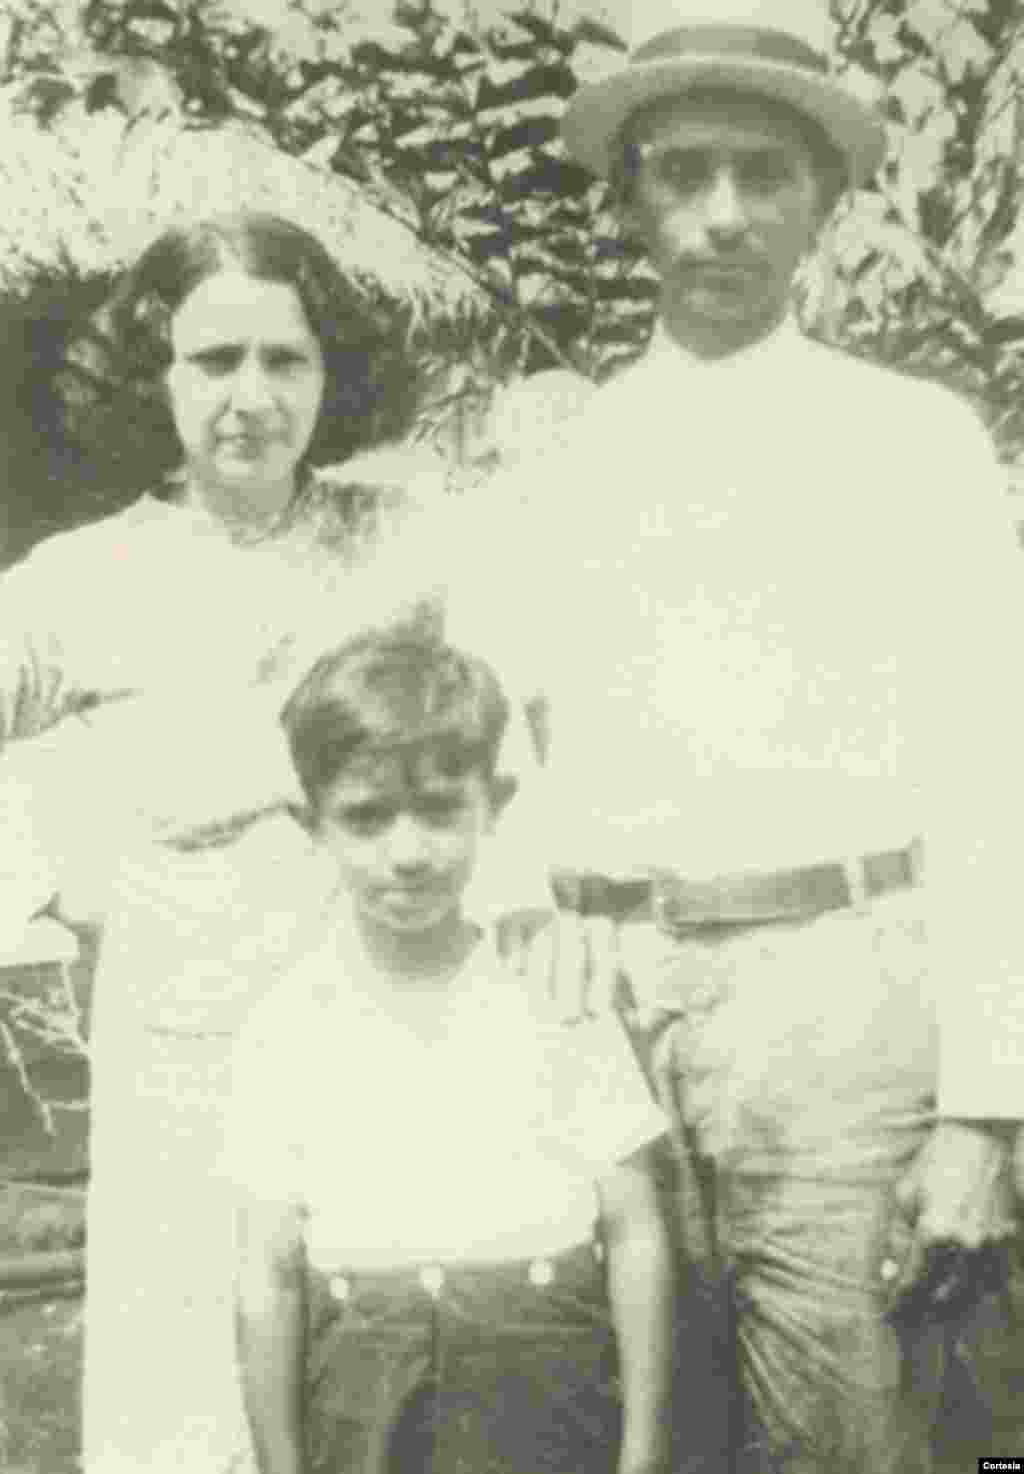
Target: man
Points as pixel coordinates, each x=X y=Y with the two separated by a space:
x=783 y=597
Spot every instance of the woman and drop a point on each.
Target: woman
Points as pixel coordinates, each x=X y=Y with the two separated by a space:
x=142 y=666
x=241 y=360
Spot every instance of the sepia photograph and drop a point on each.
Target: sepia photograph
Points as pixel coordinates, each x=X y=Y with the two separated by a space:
x=511 y=570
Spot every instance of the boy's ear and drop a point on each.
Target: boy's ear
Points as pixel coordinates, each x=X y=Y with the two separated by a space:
x=503 y=790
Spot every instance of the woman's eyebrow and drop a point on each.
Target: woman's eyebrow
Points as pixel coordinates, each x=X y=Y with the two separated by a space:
x=203 y=350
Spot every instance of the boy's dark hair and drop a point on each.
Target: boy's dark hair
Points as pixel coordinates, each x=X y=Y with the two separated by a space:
x=403 y=688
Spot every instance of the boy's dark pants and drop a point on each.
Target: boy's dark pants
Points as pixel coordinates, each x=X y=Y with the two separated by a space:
x=498 y=1369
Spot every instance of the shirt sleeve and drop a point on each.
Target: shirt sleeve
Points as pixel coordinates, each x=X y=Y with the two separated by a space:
x=972 y=743
x=41 y=741
x=81 y=780
x=608 y=1110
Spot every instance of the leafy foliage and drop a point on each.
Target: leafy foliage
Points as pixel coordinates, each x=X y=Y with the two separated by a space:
x=43 y=1039
x=918 y=262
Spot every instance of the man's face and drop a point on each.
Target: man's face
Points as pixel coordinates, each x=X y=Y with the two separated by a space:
x=405 y=837
x=726 y=202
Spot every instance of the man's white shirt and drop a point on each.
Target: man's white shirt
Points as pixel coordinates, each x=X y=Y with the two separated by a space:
x=774 y=602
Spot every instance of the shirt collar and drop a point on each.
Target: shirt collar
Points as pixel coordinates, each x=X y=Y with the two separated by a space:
x=184 y=512
x=192 y=515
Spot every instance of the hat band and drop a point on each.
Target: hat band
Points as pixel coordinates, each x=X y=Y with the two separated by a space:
x=752 y=42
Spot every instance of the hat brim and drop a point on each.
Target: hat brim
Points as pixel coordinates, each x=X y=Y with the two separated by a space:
x=597 y=111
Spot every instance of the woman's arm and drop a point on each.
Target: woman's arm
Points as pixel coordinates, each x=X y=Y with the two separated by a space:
x=270 y=1321
x=42 y=598
x=641 y=1285
x=41 y=769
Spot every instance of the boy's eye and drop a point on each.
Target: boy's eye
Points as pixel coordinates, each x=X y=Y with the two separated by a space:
x=367 y=818
x=439 y=810
x=280 y=360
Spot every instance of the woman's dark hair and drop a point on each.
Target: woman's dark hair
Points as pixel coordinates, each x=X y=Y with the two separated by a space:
x=402 y=688
x=829 y=164
x=371 y=381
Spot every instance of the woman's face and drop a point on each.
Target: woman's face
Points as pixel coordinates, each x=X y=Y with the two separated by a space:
x=245 y=387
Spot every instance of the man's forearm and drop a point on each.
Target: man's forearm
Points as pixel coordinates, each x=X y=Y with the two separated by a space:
x=271 y=1352
x=641 y=1287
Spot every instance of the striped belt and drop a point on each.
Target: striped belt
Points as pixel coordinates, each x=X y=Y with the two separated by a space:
x=738 y=900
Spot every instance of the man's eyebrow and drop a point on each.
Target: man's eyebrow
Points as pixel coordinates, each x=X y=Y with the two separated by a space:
x=653 y=146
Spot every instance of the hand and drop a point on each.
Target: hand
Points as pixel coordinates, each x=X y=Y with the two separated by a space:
x=953 y=1221
x=572 y=959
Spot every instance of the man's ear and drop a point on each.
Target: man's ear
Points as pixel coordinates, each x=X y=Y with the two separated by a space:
x=503 y=791
x=622 y=186
x=625 y=211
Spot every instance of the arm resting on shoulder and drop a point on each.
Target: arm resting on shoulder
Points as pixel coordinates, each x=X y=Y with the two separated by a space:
x=270 y=1322
x=641 y=1287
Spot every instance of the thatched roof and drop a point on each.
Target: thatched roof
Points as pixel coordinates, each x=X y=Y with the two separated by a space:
x=89 y=190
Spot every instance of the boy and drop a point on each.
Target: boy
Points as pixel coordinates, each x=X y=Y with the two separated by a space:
x=423 y=1149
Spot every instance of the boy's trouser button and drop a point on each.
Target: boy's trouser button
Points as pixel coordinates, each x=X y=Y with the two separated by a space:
x=432 y=1279
x=541 y=1273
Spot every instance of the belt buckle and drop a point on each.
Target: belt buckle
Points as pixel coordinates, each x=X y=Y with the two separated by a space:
x=856 y=885
x=432 y=1278
x=670 y=910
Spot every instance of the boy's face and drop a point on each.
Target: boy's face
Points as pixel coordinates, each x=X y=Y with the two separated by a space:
x=405 y=837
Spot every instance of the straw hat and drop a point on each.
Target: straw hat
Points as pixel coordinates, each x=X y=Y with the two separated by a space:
x=771 y=48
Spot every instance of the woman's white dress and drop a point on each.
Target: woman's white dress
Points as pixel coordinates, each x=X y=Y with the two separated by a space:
x=143 y=660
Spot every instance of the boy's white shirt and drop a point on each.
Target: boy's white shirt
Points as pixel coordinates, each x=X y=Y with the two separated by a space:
x=480 y=1140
